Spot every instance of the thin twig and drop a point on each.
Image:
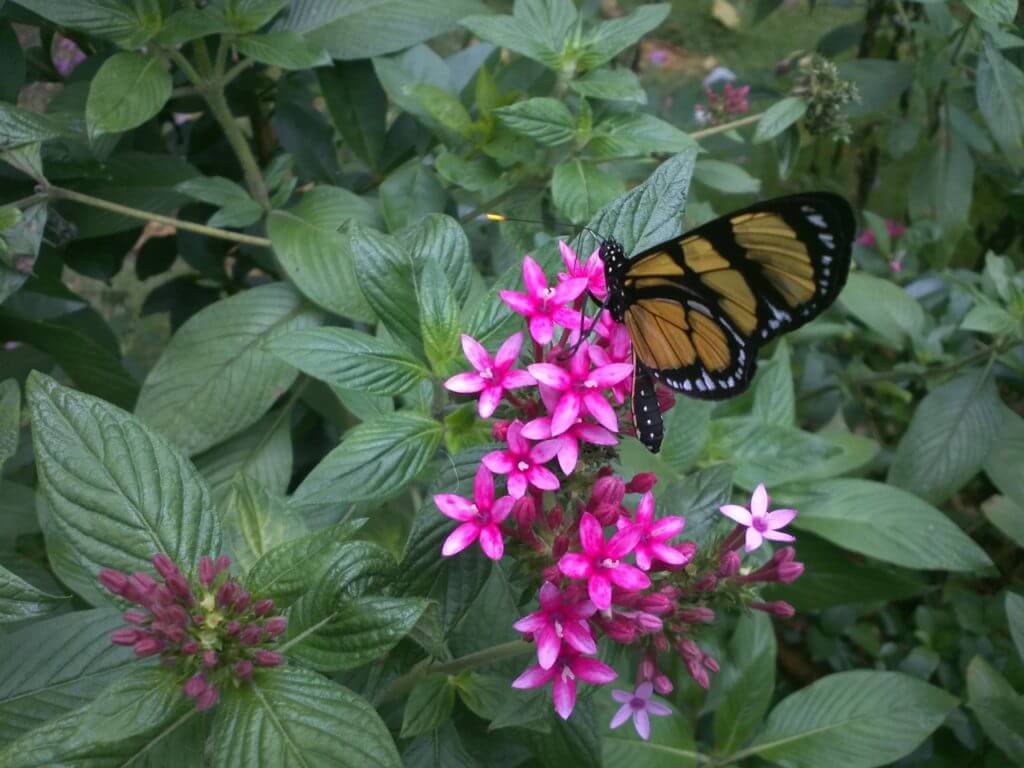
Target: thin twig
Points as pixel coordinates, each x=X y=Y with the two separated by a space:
x=715 y=129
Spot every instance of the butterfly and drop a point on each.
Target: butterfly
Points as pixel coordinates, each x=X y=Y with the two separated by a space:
x=698 y=307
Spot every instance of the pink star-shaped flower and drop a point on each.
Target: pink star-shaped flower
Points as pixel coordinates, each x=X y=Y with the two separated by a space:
x=581 y=388
x=654 y=534
x=761 y=524
x=560 y=619
x=616 y=348
x=639 y=705
x=569 y=441
x=493 y=375
x=600 y=562
x=592 y=270
x=540 y=302
x=480 y=517
x=563 y=675
x=524 y=463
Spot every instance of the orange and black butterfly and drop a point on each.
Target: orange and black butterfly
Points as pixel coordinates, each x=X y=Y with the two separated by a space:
x=699 y=307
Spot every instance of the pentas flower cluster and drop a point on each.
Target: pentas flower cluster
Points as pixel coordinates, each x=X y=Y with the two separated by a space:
x=608 y=564
x=724 y=106
x=211 y=630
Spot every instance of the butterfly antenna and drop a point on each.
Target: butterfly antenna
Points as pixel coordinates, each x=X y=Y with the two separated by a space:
x=501 y=217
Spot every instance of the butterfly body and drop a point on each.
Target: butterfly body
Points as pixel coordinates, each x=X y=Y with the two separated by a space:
x=699 y=307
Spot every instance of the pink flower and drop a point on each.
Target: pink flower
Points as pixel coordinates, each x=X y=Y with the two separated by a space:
x=618 y=348
x=654 y=534
x=600 y=562
x=581 y=389
x=558 y=619
x=761 y=524
x=569 y=441
x=523 y=463
x=563 y=674
x=894 y=228
x=592 y=270
x=480 y=518
x=540 y=303
x=493 y=375
x=639 y=705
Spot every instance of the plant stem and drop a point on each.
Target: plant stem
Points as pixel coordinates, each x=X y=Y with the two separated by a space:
x=250 y=168
x=236 y=70
x=716 y=129
x=406 y=682
x=60 y=193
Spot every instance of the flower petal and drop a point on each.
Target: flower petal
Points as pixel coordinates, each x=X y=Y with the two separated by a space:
x=600 y=590
x=483 y=488
x=465 y=383
x=476 y=354
x=574 y=565
x=517 y=379
x=488 y=402
x=601 y=410
x=591 y=535
x=549 y=644
x=622 y=697
x=623 y=542
x=609 y=375
x=534 y=279
x=532 y=622
x=517 y=302
x=538 y=429
x=629 y=577
x=569 y=290
x=592 y=671
x=501 y=509
x=563 y=694
x=642 y=723
x=550 y=375
x=753 y=539
x=644 y=690
x=533 y=677
x=568 y=256
x=759 y=501
x=594 y=434
x=667 y=554
x=577 y=635
x=543 y=478
x=491 y=542
x=460 y=538
x=517 y=484
x=455 y=507
x=623 y=714
x=545 y=451
x=735 y=512
x=645 y=510
x=541 y=329
x=780 y=518
x=568 y=454
x=667 y=527
x=508 y=352
x=779 y=536
x=550 y=596
x=499 y=462
x=566 y=413
x=656 y=708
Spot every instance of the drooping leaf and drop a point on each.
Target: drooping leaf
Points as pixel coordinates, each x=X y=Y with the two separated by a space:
x=358 y=108
x=109 y=19
x=999 y=86
x=128 y=89
x=778 y=117
x=20 y=600
x=885 y=308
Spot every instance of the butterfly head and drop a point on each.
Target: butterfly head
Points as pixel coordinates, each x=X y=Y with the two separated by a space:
x=613 y=254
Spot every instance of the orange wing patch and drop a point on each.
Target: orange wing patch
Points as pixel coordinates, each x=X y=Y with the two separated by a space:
x=658 y=264
x=666 y=335
x=782 y=256
x=735 y=297
x=700 y=255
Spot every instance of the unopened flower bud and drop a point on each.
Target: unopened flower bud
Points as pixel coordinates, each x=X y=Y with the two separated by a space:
x=243 y=669
x=556 y=516
x=710 y=663
x=656 y=603
x=241 y=602
x=148 y=646
x=267 y=658
x=607 y=492
x=207 y=699
x=499 y=430
x=620 y=630
x=552 y=574
x=648 y=622
x=276 y=625
x=706 y=583
x=226 y=594
x=114 y=581
x=165 y=566
x=134 y=616
x=524 y=512
x=641 y=482
x=662 y=684
x=779 y=608
x=689 y=649
x=263 y=607
x=784 y=555
x=210 y=658
x=729 y=564
x=560 y=546
x=250 y=635
x=789 y=571
x=661 y=644
x=648 y=668
x=697 y=615
x=195 y=685
x=698 y=673
x=126 y=636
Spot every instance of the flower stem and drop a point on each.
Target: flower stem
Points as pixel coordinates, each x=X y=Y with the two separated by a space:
x=60 y=193
x=716 y=129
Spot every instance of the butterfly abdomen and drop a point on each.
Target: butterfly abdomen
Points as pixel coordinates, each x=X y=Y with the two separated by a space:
x=647 y=419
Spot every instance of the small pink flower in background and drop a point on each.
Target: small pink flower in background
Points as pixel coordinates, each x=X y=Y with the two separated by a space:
x=481 y=518
x=563 y=675
x=581 y=388
x=539 y=304
x=760 y=523
x=638 y=705
x=617 y=348
x=493 y=376
x=524 y=463
x=569 y=441
x=592 y=270
x=560 y=619
x=66 y=55
x=867 y=237
x=654 y=534
x=600 y=562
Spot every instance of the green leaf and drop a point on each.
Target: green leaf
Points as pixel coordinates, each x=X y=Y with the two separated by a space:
x=20 y=600
x=697 y=497
x=545 y=120
x=988 y=317
x=778 y=117
x=949 y=438
x=128 y=89
x=1006 y=515
x=579 y=189
x=283 y=48
x=429 y=706
x=237 y=208
x=143 y=699
x=1007 y=456
x=358 y=107
x=440 y=239
x=365 y=28
x=1015 y=619
x=726 y=177
x=638 y=133
x=262 y=452
x=255 y=521
x=117 y=490
x=401 y=74
x=22 y=240
x=439 y=317
x=608 y=38
x=999 y=88
x=861 y=719
x=388 y=281
x=878 y=81
x=686 y=432
x=889 y=524
x=746 y=700
x=612 y=85
x=109 y=19
x=445 y=111
x=538 y=29
x=651 y=212
x=215 y=377
x=19 y=128
x=188 y=24
x=250 y=15
x=375 y=461
x=10 y=419
x=885 y=308
x=996 y=11
x=54 y=666
x=774 y=399
x=350 y=359
x=943 y=182
x=410 y=193
x=999 y=709
x=315 y=256
x=301 y=719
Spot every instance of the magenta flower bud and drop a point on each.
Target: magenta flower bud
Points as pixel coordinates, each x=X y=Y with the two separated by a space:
x=207 y=572
x=195 y=685
x=697 y=615
x=648 y=668
x=662 y=684
x=210 y=658
x=607 y=491
x=241 y=602
x=227 y=592
x=556 y=516
x=232 y=628
x=114 y=581
x=499 y=430
x=250 y=635
x=698 y=673
x=524 y=511
x=641 y=482
x=148 y=646
x=165 y=566
x=267 y=658
x=243 y=669
x=172 y=632
x=660 y=643
x=778 y=608
x=190 y=648
x=688 y=549
x=141 y=588
x=207 y=699
x=706 y=583
x=784 y=555
x=560 y=546
x=263 y=607
x=223 y=563
x=689 y=649
x=648 y=622
x=135 y=616
x=126 y=636
x=620 y=631
x=729 y=564
x=551 y=574
x=179 y=588
x=656 y=603
x=710 y=664
x=276 y=625
x=198 y=619
x=789 y=571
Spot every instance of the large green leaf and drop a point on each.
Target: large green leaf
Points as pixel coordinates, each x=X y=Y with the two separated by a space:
x=1015 y=620
x=22 y=241
x=55 y=666
x=608 y=38
x=746 y=700
x=20 y=127
x=943 y=183
x=998 y=11
x=949 y=438
x=294 y=718
x=255 y=521
x=10 y=419
x=20 y=600
x=118 y=492
x=350 y=359
x=440 y=239
x=885 y=308
x=428 y=707
x=545 y=120
x=409 y=193
x=109 y=19
x=263 y=452
x=778 y=117
x=889 y=524
x=375 y=461
x=611 y=84
x=145 y=698
x=358 y=108
x=283 y=48
x=538 y=29
x=579 y=189
x=215 y=377
x=637 y=133
x=128 y=89
x=387 y=279
x=697 y=497
x=439 y=317
x=1004 y=461
x=999 y=86
x=999 y=709
x=858 y=719
x=316 y=256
